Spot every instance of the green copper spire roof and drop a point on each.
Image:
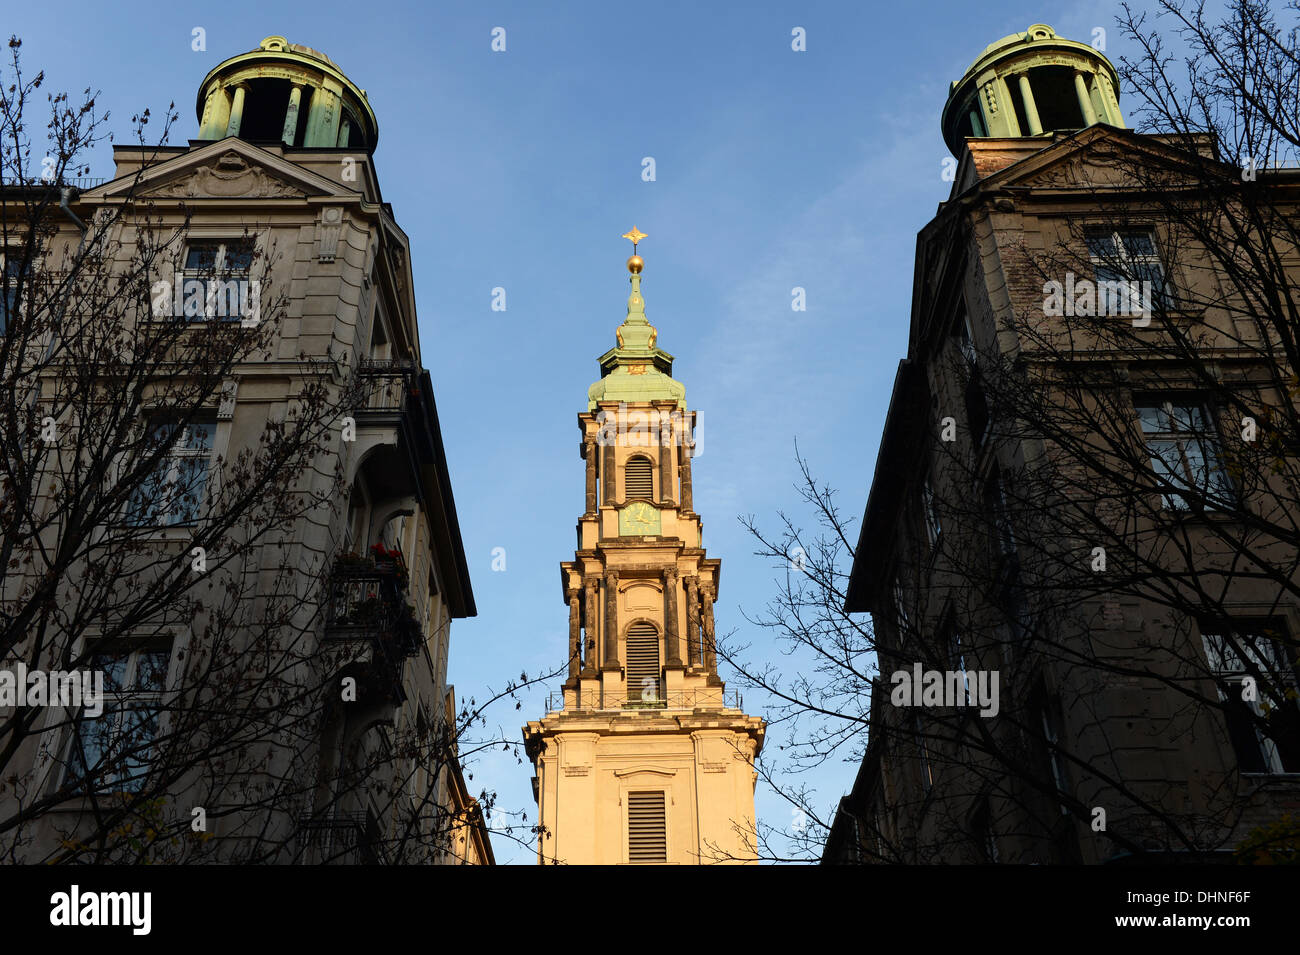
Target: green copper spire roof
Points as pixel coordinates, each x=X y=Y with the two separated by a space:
x=635 y=369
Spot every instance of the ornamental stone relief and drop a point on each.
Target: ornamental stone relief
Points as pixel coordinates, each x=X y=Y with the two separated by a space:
x=231 y=176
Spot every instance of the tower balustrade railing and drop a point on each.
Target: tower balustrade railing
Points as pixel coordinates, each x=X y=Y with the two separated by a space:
x=712 y=698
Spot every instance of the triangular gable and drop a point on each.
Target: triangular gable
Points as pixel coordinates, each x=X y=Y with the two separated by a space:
x=1068 y=162
x=227 y=169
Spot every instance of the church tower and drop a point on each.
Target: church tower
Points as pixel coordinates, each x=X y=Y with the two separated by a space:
x=648 y=759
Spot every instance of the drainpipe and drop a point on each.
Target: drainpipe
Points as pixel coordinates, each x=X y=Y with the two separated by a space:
x=63 y=204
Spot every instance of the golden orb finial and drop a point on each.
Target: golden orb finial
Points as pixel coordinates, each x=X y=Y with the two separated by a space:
x=634 y=264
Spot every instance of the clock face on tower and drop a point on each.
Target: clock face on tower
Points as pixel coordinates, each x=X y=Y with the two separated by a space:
x=638 y=518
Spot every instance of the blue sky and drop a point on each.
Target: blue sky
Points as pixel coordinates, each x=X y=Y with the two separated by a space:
x=521 y=169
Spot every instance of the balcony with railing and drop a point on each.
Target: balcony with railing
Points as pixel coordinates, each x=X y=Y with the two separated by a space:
x=367 y=604
x=80 y=183
x=341 y=838
x=704 y=698
x=229 y=295
x=386 y=384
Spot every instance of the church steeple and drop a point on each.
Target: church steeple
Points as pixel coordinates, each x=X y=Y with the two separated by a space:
x=647 y=757
x=636 y=369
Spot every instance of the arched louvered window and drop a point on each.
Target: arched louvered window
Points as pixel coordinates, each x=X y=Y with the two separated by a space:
x=637 y=480
x=643 y=678
x=647 y=828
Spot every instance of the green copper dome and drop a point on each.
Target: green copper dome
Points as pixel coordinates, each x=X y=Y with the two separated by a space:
x=288 y=93
x=1031 y=84
x=636 y=369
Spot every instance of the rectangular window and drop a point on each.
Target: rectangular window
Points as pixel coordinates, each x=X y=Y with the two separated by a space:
x=1120 y=259
x=965 y=342
x=215 y=280
x=430 y=600
x=999 y=517
x=11 y=271
x=112 y=752
x=900 y=608
x=983 y=834
x=1015 y=605
x=173 y=492
x=1051 y=725
x=1249 y=668
x=933 y=531
x=977 y=409
x=957 y=649
x=975 y=398
x=1184 y=449
x=923 y=749
x=647 y=829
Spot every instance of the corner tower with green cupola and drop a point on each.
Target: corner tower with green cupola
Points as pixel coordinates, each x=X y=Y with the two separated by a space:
x=644 y=756
x=285 y=93
x=1031 y=84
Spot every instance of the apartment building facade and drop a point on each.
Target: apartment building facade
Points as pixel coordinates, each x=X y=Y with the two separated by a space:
x=298 y=708
x=1072 y=507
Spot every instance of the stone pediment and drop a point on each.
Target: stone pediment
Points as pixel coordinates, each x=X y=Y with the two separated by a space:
x=1095 y=158
x=230 y=176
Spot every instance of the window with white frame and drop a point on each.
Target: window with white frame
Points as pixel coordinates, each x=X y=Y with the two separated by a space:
x=173 y=491
x=1128 y=271
x=1248 y=664
x=215 y=281
x=113 y=751
x=1185 y=452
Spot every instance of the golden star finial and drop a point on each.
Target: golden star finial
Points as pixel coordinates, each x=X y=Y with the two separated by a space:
x=635 y=236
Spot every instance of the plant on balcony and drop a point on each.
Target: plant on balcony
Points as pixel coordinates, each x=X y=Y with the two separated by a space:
x=388 y=560
x=407 y=630
x=352 y=560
